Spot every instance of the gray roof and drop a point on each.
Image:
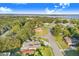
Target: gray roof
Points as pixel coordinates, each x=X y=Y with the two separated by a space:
x=30 y=44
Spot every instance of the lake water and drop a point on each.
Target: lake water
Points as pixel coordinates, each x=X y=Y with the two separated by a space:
x=76 y=16
x=66 y=16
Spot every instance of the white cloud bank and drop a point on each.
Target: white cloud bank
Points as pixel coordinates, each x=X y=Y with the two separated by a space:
x=5 y=9
x=57 y=8
x=64 y=4
x=49 y=11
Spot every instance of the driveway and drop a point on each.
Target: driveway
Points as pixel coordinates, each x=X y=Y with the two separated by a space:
x=54 y=46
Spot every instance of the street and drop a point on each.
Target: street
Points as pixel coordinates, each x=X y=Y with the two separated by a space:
x=53 y=44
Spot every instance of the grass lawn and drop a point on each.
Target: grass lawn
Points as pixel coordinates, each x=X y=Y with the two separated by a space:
x=43 y=39
x=71 y=53
x=60 y=42
x=41 y=33
x=46 y=51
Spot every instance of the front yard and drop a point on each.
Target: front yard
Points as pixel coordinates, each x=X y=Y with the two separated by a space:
x=44 y=51
x=60 y=42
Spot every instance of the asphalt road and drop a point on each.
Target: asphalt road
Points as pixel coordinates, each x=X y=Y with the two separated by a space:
x=53 y=44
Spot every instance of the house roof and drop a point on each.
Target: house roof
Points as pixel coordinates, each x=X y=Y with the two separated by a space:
x=27 y=51
x=68 y=39
x=30 y=45
x=71 y=41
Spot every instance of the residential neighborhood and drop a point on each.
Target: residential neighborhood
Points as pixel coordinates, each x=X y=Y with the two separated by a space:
x=39 y=36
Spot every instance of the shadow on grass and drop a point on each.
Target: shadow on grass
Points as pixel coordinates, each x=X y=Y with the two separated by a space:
x=71 y=53
x=12 y=52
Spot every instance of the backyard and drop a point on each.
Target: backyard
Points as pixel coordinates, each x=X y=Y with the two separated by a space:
x=41 y=31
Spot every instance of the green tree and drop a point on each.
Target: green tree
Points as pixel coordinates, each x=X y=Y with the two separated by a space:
x=57 y=30
x=8 y=44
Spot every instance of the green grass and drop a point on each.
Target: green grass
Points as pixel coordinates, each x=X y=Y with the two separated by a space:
x=46 y=51
x=61 y=42
x=43 y=39
x=44 y=32
x=71 y=53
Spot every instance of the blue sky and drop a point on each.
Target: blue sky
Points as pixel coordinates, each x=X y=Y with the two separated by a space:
x=39 y=8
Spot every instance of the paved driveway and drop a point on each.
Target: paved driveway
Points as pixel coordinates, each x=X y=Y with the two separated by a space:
x=53 y=44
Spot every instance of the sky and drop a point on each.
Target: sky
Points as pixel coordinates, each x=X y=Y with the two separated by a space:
x=39 y=8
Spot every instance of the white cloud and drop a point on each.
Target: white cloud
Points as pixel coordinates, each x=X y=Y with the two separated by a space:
x=61 y=4
x=5 y=9
x=21 y=3
x=64 y=5
x=49 y=11
x=57 y=8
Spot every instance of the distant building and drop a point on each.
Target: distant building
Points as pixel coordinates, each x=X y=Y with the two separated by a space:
x=67 y=24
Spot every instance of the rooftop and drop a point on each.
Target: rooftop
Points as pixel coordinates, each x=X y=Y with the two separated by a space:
x=30 y=45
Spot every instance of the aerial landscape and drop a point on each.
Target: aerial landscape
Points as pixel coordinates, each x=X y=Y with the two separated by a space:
x=28 y=32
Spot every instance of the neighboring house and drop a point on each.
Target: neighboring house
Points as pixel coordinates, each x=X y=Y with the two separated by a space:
x=68 y=40
x=71 y=41
x=29 y=47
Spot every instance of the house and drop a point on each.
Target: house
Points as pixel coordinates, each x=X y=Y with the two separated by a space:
x=71 y=41
x=68 y=40
x=31 y=45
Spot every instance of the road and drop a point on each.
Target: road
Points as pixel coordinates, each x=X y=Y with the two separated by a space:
x=53 y=44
